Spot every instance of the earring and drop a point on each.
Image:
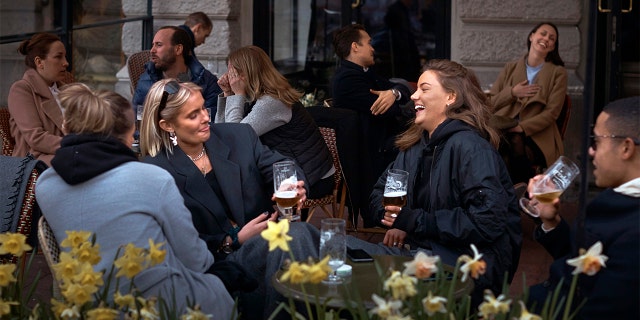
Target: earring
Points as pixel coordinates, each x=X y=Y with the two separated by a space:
x=173 y=138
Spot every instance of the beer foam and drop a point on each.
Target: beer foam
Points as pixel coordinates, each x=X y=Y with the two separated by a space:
x=287 y=194
x=395 y=194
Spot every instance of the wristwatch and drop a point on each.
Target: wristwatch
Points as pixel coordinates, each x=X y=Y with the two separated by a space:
x=396 y=93
x=227 y=245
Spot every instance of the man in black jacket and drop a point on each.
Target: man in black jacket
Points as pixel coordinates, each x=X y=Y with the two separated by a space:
x=377 y=102
x=613 y=218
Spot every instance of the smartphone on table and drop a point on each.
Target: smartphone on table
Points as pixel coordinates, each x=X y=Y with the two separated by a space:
x=358 y=255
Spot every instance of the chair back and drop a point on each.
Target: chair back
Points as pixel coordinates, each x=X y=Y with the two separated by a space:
x=50 y=250
x=5 y=132
x=135 y=65
x=329 y=136
x=563 y=119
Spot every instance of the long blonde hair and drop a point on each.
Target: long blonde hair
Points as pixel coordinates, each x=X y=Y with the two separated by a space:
x=152 y=137
x=95 y=112
x=261 y=76
x=471 y=106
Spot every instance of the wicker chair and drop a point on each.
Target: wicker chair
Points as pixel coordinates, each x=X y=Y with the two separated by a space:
x=135 y=65
x=5 y=132
x=50 y=250
x=337 y=208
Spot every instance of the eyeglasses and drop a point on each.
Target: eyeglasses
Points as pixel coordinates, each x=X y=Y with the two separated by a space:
x=594 y=143
x=172 y=87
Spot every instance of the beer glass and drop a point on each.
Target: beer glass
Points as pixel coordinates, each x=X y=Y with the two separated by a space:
x=333 y=243
x=395 y=189
x=555 y=180
x=285 y=183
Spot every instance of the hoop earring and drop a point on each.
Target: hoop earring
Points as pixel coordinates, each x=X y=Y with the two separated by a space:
x=173 y=138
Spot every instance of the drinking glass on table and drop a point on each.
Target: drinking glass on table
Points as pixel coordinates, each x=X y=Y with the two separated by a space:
x=395 y=189
x=285 y=185
x=333 y=243
x=555 y=180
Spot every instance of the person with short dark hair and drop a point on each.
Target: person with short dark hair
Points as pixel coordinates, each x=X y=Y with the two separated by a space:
x=612 y=217
x=171 y=58
x=36 y=115
x=198 y=26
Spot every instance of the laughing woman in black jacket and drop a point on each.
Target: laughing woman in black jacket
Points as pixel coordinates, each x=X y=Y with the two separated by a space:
x=459 y=191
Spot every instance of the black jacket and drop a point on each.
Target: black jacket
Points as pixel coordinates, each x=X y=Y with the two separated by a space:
x=470 y=201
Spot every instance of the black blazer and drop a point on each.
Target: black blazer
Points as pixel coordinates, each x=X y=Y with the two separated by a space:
x=243 y=167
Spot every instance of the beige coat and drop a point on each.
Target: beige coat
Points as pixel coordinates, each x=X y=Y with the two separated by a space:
x=36 y=118
x=537 y=115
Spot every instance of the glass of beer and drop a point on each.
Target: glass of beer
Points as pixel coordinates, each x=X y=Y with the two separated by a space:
x=555 y=180
x=285 y=183
x=395 y=189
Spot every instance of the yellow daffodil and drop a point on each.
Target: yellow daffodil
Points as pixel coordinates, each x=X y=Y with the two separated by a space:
x=6 y=274
x=124 y=301
x=276 y=234
x=148 y=310
x=102 y=314
x=129 y=265
x=433 y=304
x=57 y=307
x=525 y=315
x=130 y=250
x=13 y=243
x=5 y=306
x=385 y=309
x=589 y=262
x=319 y=271
x=195 y=314
x=297 y=273
x=67 y=267
x=75 y=239
x=88 y=277
x=422 y=266
x=78 y=294
x=86 y=252
x=155 y=254
x=492 y=306
x=401 y=286
x=474 y=266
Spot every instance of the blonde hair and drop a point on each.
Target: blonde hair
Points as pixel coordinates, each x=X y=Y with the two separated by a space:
x=95 y=112
x=472 y=106
x=261 y=76
x=152 y=137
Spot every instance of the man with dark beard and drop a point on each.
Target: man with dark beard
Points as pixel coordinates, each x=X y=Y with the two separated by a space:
x=171 y=58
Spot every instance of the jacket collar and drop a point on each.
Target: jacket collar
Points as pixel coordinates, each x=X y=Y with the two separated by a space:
x=49 y=105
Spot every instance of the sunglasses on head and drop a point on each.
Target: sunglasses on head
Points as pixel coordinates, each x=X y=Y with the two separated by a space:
x=594 y=142
x=172 y=87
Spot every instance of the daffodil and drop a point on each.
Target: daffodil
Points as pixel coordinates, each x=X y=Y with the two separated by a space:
x=70 y=313
x=422 y=266
x=433 y=304
x=319 y=271
x=195 y=314
x=525 y=315
x=589 y=262
x=148 y=310
x=13 y=243
x=129 y=265
x=124 y=301
x=57 y=306
x=276 y=234
x=492 y=306
x=5 y=306
x=102 y=313
x=401 y=286
x=297 y=273
x=67 y=267
x=474 y=265
x=155 y=254
x=75 y=239
x=6 y=274
x=78 y=294
x=87 y=252
x=88 y=277
x=385 y=309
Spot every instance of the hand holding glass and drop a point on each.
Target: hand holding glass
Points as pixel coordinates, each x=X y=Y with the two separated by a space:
x=285 y=187
x=555 y=180
x=395 y=189
x=333 y=243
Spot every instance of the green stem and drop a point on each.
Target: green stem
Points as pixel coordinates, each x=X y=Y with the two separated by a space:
x=572 y=290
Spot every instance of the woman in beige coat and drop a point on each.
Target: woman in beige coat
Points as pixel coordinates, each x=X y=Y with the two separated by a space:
x=531 y=91
x=36 y=115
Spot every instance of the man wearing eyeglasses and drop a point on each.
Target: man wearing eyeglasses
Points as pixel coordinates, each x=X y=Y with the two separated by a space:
x=171 y=58
x=612 y=217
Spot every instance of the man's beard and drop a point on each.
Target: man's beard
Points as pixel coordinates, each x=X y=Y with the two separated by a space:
x=164 y=63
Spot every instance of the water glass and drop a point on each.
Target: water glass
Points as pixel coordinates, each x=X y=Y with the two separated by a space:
x=333 y=243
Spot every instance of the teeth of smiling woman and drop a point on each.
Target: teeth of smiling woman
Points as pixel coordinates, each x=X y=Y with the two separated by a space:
x=542 y=44
x=419 y=107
